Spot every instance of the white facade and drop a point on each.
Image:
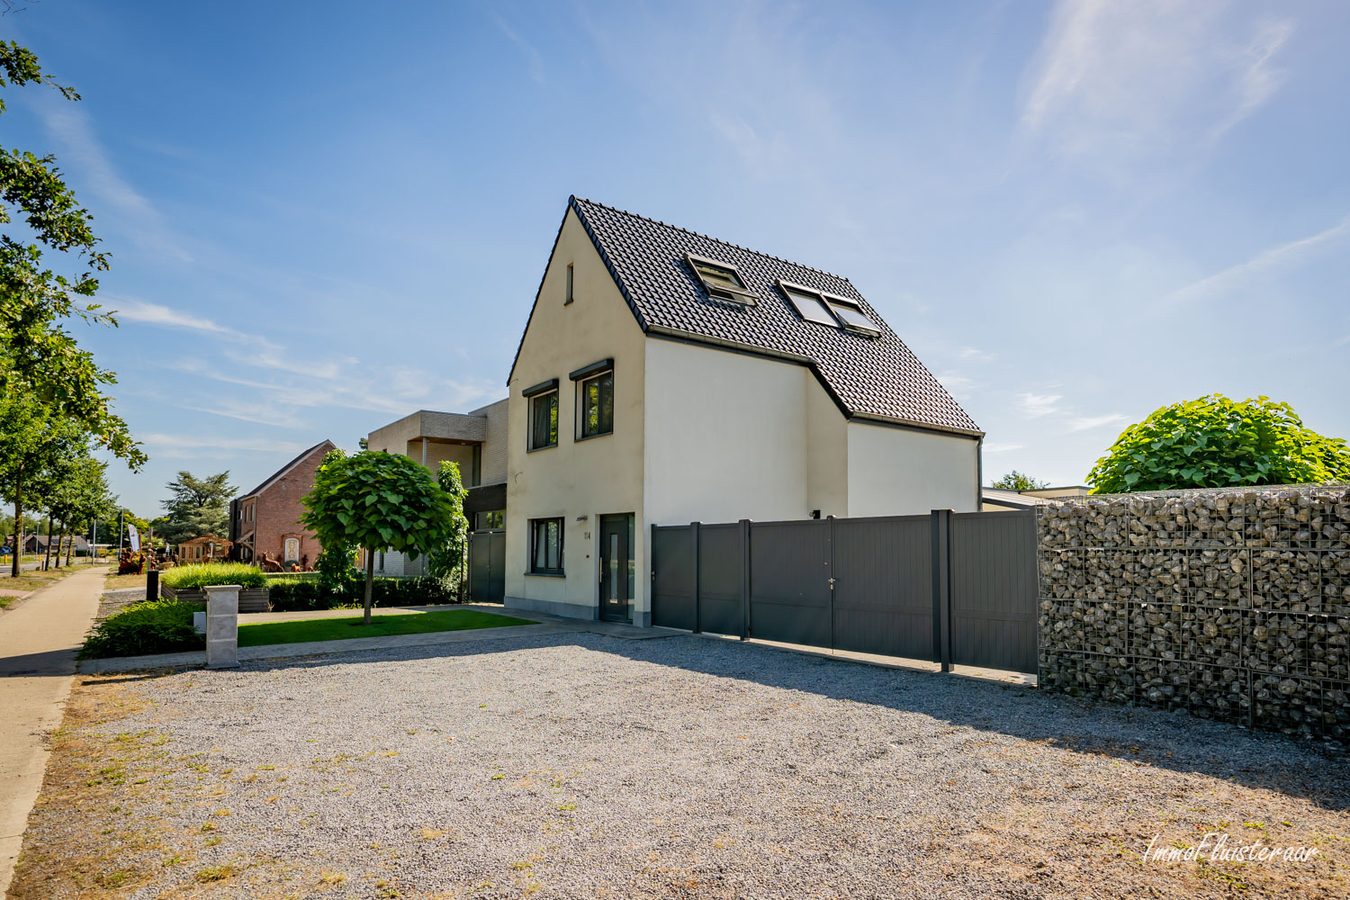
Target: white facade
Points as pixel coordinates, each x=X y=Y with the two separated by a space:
x=700 y=433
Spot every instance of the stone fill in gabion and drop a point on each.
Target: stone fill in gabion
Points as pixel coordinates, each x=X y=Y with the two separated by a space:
x=1232 y=603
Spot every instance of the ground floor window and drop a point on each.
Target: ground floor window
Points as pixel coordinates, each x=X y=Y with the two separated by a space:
x=546 y=546
x=495 y=518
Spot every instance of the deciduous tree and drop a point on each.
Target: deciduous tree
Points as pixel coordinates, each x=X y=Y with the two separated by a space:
x=1019 y=481
x=378 y=501
x=39 y=357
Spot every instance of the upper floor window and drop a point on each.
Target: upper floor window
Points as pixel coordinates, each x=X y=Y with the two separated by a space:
x=722 y=280
x=543 y=424
x=595 y=403
x=569 y=298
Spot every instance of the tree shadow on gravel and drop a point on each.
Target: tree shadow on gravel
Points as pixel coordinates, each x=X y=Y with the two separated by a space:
x=1175 y=741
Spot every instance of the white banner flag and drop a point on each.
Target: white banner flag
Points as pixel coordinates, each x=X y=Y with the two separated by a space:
x=134 y=538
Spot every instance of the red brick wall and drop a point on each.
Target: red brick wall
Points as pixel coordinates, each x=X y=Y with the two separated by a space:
x=279 y=511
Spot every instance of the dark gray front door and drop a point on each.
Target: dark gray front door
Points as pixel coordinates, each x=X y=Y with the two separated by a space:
x=487 y=566
x=616 y=566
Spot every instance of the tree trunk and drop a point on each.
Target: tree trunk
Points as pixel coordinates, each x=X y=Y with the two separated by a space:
x=70 y=547
x=47 y=559
x=370 y=581
x=18 y=526
x=60 y=544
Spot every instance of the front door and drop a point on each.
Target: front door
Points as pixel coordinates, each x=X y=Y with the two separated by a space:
x=616 y=567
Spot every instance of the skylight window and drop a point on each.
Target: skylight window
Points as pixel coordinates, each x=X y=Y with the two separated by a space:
x=721 y=280
x=853 y=318
x=827 y=309
x=811 y=307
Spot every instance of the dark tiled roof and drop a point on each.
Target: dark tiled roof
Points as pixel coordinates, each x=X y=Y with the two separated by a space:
x=868 y=376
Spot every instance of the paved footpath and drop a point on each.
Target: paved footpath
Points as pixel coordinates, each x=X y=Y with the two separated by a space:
x=38 y=642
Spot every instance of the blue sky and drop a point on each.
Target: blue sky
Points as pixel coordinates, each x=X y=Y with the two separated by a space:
x=324 y=216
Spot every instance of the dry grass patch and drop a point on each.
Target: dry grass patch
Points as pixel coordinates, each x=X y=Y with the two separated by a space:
x=96 y=831
x=116 y=582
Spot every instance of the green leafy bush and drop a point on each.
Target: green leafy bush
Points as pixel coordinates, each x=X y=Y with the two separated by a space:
x=303 y=594
x=154 y=626
x=196 y=577
x=1218 y=442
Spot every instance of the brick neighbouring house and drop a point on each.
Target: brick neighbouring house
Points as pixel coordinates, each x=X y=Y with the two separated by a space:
x=267 y=519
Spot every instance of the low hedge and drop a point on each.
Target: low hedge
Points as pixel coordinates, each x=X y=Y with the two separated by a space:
x=294 y=595
x=200 y=575
x=153 y=626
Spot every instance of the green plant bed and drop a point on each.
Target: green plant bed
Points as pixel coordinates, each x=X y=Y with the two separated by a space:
x=196 y=577
x=347 y=628
x=157 y=626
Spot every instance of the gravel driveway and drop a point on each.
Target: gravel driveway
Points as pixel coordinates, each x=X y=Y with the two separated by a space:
x=587 y=766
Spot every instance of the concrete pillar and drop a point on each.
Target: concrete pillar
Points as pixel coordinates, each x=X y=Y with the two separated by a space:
x=222 y=626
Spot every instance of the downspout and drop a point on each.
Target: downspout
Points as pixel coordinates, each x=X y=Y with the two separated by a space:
x=979 y=474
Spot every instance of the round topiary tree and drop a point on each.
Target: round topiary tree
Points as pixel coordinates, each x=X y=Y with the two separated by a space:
x=1218 y=442
x=378 y=501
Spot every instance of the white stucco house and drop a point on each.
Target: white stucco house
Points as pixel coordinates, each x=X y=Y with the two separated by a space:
x=665 y=377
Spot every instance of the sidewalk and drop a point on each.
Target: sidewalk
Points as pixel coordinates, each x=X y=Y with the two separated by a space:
x=38 y=643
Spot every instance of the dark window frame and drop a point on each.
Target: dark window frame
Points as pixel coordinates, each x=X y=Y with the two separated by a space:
x=602 y=427
x=571 y=276
x=542 y=397
x=538 y=527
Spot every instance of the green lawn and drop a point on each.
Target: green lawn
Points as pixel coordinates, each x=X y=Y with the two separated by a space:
x=348 y=628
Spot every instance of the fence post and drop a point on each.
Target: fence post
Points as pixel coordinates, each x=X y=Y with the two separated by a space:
x=152 y=584
x=695 y=536
x=651 y=570
x=942 y=588
x=830 y=564
x=745 y=579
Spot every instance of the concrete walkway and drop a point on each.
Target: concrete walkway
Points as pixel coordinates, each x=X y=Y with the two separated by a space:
x=38 y=642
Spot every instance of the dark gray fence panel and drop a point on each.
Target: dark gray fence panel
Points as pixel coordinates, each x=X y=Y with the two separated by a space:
x=993 y=575
x=673 y=576
x=883 y=586
x=790 y=582
x=719 y=589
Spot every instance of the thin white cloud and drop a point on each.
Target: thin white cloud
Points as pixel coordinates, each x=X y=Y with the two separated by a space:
x=84 y=153
x=167 y=443
x=534 y=61
x=976 y=354
x=165 y=317
x=1085 y=423
x=254 y=412
x=1001 y=448
x=1269 y=261
x=1116 y=80
x=1033 y=406
x=959 y=386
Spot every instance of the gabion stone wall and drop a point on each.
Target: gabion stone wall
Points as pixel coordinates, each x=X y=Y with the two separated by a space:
x=1233 y=603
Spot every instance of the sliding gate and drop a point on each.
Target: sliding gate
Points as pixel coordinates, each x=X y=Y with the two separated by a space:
x=949 y=587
